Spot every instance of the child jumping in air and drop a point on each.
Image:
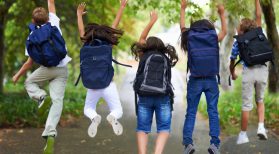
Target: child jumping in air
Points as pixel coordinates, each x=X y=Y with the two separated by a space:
x=53 y=60
x=97 y=70
x=200 y=41
x=254 y=76
x=153 y=86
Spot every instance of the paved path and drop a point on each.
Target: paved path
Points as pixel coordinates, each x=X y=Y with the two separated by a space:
x=255 y=146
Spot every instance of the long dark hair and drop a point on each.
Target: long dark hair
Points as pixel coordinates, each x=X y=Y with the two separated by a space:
x=200 y=23
x=154 y=44
x=102 y=32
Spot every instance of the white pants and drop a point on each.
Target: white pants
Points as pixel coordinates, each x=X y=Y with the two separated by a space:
x=110 y=95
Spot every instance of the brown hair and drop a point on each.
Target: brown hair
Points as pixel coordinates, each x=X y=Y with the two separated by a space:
x=155 y=44
x=102 y=32
x=247 y=25
x=40 y=16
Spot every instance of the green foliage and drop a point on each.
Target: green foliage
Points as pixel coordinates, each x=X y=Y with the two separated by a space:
x=229 y=107
x=18 y=110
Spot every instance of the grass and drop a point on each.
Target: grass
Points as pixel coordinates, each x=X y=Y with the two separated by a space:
x=230 y=109
x=18 y=110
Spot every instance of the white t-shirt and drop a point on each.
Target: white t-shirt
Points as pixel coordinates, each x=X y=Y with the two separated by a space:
x=55 y=21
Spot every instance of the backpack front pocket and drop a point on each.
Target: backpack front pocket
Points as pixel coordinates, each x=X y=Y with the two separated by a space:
x=204 y=62
x=95 y=74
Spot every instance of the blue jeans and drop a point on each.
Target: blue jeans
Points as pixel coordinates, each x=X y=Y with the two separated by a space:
x=195 y=88
x=146 y=107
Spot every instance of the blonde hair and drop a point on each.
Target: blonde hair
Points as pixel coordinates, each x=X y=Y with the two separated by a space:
x=40 y=16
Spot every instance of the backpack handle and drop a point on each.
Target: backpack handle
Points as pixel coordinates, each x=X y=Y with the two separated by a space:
x=200 y=29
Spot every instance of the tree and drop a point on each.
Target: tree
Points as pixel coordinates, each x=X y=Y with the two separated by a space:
x=4 y=8
x=272 y=33
x=234 y=9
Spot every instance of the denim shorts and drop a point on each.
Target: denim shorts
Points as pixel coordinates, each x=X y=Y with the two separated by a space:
x=146 y=107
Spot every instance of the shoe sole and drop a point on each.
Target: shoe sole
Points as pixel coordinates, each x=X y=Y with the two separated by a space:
x=192 y=151
x=116 y=126
x=262 y=137
x=43 y=106
x=93 y=128
x=210 y=151
x=242 y=142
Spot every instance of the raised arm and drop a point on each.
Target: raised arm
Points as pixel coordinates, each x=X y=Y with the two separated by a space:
x=51 y=6
x=144 y=34
x=80 y=13
x=25 y=67
x=119 y=14
x=182 y=15
x=223 y=32
x=258 y=13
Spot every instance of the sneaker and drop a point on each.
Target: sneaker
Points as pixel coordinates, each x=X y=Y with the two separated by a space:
x=262 y=133
x=189 y=149
x=49 y=148
x=213 y=149
x=92 y=129
x=116 y=126
x=242 y=138
x=43 y=104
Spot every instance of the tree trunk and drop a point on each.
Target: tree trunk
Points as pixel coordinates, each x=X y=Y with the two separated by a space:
x=2 y=27
x=225 y=52
x=273 y=37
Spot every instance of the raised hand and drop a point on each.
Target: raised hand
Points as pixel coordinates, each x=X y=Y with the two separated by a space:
x=123 y=3
x=117 y=19
x=81 y=9
x=223 y=32
x=153 y=16
x=51 y=6
x=221 y=9
x=184 y=4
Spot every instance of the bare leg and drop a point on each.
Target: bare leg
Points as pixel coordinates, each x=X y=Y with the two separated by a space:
x=244 y=120
x=161 y=142
x=260 y=111
x=142 y=138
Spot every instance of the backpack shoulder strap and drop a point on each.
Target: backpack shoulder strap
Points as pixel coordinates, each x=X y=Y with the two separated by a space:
x=77 y=81
x=118 y=63
x=31 y=27
x=237 y=63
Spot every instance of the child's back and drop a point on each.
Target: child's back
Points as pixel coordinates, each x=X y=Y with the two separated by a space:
x=201 y=43
x=97 y=71
x=53 y=70
x=255 y=70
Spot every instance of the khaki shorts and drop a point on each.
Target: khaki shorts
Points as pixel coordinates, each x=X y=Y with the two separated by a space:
x=254 y=77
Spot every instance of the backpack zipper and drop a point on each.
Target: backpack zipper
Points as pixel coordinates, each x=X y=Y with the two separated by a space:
x=261 y=54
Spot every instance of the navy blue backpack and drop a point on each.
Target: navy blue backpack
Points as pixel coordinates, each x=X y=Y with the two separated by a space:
x=203 y=52
x=96 y=70
x=45 y=45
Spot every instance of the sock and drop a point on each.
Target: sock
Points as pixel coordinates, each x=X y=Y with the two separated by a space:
x=261 y=125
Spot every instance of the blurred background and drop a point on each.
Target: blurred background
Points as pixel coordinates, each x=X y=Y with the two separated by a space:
x=18 y=111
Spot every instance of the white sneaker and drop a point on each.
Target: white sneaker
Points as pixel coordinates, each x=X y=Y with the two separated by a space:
x=242 y=138
x=92 y=129
x=262 y=133
x=116 y=126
